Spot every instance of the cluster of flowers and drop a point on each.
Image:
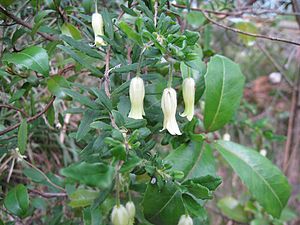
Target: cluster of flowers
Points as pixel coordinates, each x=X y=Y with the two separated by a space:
x=168 y=103
x=125 y=215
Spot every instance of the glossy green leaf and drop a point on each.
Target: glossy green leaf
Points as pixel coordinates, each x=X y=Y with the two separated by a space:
x=163 y=206
x=264 y=180
x=92 y=174
x=194 y=159
x=23 y=136
x=224 y=88
x=82 y=198
x=84 y=127
x=231 y=208
x=33 y=58
x=17 y=201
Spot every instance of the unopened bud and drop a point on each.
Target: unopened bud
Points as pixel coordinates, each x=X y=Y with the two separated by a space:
x=188 y=91
x=185 y=220
x=137 y=94
x=119 y=215
x=169 y=105
x=97 y=24
x=131 y=211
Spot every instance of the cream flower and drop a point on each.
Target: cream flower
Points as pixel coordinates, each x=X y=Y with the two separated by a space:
x=188 y=90
x=97 y=24
x=185 y=220
x=169 y=105
x=131 y=211
x=137 y=94
x=119 y=215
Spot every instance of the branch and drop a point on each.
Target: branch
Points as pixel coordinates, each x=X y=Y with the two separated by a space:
x=30 y=119
x=15 y=108
x=47 y=195
x=243 y=32
x=106 y=73
x=21 y=22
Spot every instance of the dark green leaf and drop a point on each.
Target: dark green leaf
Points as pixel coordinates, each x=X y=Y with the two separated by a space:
x=224 y=88
x=95 y=175
x=84 y=127
x=17 y=201
x=130 y=32
x=56 y=84
x=33 y=58
x=22 y=136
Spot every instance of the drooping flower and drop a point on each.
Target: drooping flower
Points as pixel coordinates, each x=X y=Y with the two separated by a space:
x=188 y=90
x=185 y=220
x=169 y=105
x=137 y=94
x=97 y=24
x=131 y=211
x=119 y=215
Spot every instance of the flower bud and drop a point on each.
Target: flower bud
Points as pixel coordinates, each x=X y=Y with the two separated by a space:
x=185 y=220
x=169 y=105
x=97 y=24
x=119 y=215
x=131 y=211
x=188 y=90
x=137 y=94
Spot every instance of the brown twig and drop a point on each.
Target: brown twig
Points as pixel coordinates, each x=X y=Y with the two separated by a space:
x=275 y=63
x=21 y=22
x=244 y=32
x=237 y=13
x=106 y=73
x=48 y=195
x=30 y=119
x=14 y=108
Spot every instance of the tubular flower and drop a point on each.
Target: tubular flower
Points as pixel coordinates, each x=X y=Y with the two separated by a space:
x=119 y=215
x=137 y=94
x=97 y=24
x=131 y=211
x=185 y=220
x=169 y=105
x=188 y=90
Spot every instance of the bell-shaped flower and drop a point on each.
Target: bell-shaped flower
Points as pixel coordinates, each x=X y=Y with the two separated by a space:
x=185 y=220
x=169 y=105
x=188 y=90
x=131 y=211
x=97 y=24
x=137 y=94
x=119 y=215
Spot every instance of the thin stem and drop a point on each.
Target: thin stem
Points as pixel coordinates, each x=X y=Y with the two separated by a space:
x=45 y=176
x=138 y=72
x=170 y=75
x=118 y=188
x=96 y=7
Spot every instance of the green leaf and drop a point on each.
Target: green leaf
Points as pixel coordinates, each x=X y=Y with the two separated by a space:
x=264 y=180
x=56 y=84
x=70 y=30
x=22 y=136
x=92 y=174
x=130 y=32
x=33 y=58
x=196 y=19
x=108 y=24
x=194 y=160
x=79 y=59
x=231 y=208
x=163 y=206
x=84 y=100
x=224 y=88
x=247 y=27
x=17 y=201
x=82 y=198
x=84 y=127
